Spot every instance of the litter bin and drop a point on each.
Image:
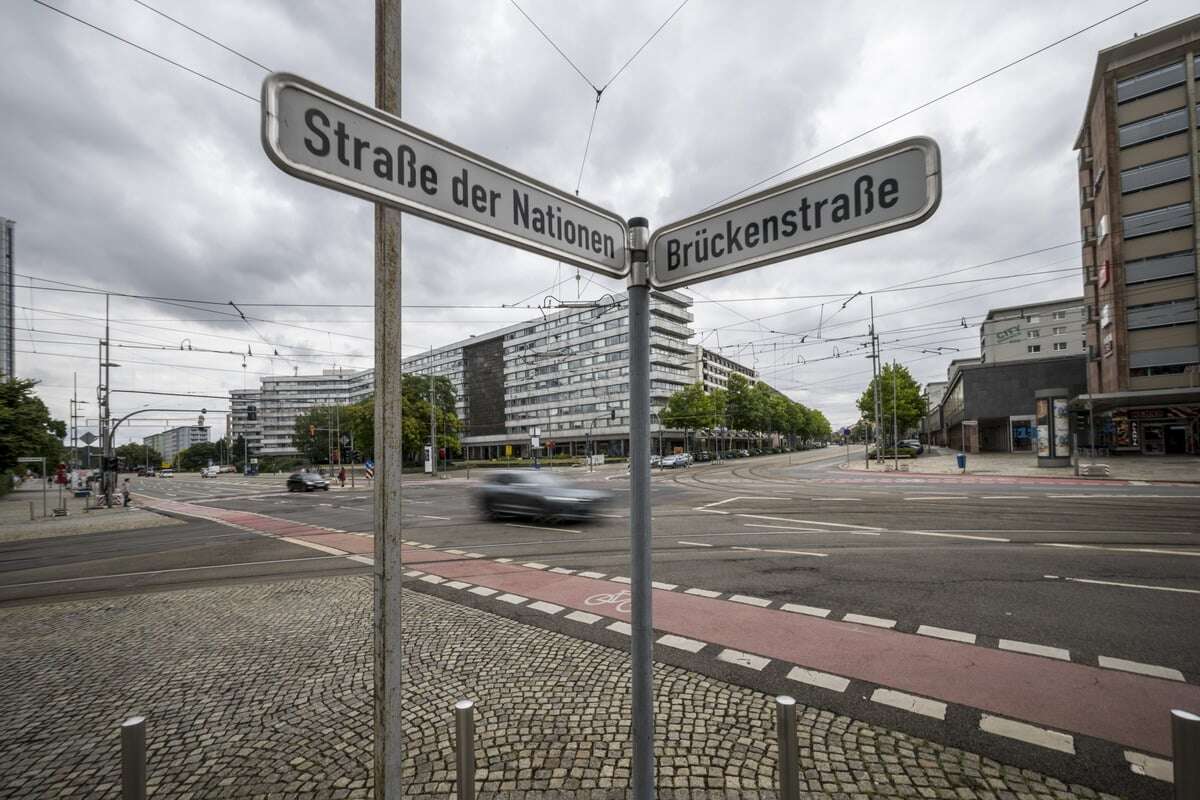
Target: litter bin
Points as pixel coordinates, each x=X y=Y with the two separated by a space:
x=962 y=461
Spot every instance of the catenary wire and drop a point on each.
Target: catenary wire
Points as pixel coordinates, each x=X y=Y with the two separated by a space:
x=204 y=36
x=927 y=103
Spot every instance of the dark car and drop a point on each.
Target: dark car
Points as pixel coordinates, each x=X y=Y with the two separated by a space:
x=306 y=482
x=542 y=495
x=703 y=457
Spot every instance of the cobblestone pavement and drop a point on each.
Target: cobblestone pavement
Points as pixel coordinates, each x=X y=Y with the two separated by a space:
x=264 y=691
x=941 y=461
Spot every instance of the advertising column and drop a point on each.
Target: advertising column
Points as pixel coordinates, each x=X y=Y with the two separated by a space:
x=1053 y=425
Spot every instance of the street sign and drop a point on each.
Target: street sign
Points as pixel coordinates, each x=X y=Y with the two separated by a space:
x=89 y=437
x=29 y=460
x=886 y=190
x=320 y=136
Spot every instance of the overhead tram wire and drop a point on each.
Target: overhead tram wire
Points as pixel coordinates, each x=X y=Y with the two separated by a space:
x=927 y=103
x=148 y=51
x=204 y=36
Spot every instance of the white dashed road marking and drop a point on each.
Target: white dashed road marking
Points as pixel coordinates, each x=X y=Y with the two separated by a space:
x=812 y=611
x=483 y=591
x=1150 y=766
x=621 y=627
x=594 y=575
x=863 y=619
x=1153 y=670
x=702 y=592
x=1030 y=734
x=1125 y=585
x=457 y=585
x=696 y=544
x=910 y=702
x=749 y=660
x=515 y=599
x=946 y=633
x=584 y=617
x=546 y=608
x=823 y=680
x=1035 y=649
x=681 y=643
x=750 y=601
x=433 y=579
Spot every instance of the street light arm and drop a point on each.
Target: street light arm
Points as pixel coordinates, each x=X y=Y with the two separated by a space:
x=112 y=432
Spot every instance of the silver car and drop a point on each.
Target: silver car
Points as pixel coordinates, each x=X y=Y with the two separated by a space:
x=537 y=494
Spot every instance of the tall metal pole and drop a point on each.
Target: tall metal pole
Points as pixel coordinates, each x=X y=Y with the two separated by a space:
x=641 y=640
x=895 y=425
x=875 y=355
x=74 y=416
x=433 y=448
x=389 y=739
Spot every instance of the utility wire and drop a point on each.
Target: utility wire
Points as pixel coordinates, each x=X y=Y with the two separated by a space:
x=927 y=104
x=207 y=38
x=147 y=51
x=638 y=52
x=558 y=49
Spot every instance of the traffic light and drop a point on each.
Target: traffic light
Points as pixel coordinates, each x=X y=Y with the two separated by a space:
x=251 y=413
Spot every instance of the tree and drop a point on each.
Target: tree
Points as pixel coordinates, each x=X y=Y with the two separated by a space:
x=26 y=429
x=359 y=419
x=689 y=408
x=136 y=455
x=415 y=395
x=197 y=456
x=739 y=406
x=894 y=382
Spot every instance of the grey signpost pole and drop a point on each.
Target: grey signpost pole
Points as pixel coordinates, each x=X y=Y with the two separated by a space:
x=389 y=739
x=642 y=642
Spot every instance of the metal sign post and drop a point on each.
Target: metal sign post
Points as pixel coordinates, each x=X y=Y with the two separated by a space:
x=641 y=649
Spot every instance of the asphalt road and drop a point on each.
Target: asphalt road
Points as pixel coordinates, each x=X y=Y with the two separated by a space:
x=1081 y=570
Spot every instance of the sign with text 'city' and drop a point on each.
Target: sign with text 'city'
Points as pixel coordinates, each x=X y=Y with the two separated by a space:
x=320 y=136
x=886 y=190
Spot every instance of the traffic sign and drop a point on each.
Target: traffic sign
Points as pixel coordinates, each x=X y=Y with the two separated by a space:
x=320 y=136
x=30 y=460
x=89 y=437
x=886 y=190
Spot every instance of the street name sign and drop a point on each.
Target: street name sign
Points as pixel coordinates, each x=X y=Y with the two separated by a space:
x=30 y=460
x=879 y=192
x=320 y=136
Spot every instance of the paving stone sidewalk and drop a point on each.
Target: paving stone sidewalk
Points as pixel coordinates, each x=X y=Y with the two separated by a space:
x=264 y=691
x=940 y=461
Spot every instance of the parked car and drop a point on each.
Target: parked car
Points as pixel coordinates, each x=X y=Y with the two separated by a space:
x=703 y=457
x=913 y=443
x=687 y=458
x=210 y=472
x=671 y=462
x=166 y=473
x=306 y=482
x=743 y=453
x=537 y=494
x=655 y=459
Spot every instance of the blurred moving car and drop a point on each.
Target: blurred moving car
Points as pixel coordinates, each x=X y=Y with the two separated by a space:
x=537 y=494
x=306 y=482
x=166 y=473
x=210 y=472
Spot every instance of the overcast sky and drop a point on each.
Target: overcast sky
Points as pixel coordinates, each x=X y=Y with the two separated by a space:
x=131 y=175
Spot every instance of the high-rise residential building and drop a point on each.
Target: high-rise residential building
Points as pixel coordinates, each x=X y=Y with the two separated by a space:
x=1034 y=331
x=713 y=369
x=239 y=424
x=171 y=443
x=8 y=365
x=1139 y=194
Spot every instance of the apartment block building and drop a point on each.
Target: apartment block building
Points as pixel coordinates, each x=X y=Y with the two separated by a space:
x=713 y=369
x=1139 y=195
x=564 y=378
x=1034 y=331
x=280 y=399
x=173 y=442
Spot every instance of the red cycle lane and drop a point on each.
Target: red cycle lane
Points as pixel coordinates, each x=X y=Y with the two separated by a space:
x=1120 y=707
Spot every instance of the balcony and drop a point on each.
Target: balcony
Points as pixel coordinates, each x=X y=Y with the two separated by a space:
x=1088 y=234
x=1085 y=158
x=1087 y=196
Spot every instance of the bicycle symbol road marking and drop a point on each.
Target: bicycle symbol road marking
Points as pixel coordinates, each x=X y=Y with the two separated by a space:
x=622 y=600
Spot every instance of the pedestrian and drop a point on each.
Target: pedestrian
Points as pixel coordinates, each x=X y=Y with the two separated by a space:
x=125 y=493
x=342 y=477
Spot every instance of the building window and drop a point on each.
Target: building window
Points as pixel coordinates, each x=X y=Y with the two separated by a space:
x=1032 y=334
x=1158 y=173
x=1060 y=330
x=1167 y=369
x=1060 y=314
x=1158 y=220
x=1060 y=345
x=1156 y=127
x=1160 y=315
x=1033 y=348
x=1155 y=268
x=1150 y=82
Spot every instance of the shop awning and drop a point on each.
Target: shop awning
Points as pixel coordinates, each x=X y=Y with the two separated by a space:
x=1134 y=399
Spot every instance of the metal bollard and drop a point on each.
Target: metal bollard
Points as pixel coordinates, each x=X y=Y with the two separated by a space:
x=464 y=726
x=133 y=759
x=785 y=730
x=1185 y=752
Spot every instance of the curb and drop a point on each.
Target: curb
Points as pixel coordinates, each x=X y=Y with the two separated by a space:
x=1101 y=481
